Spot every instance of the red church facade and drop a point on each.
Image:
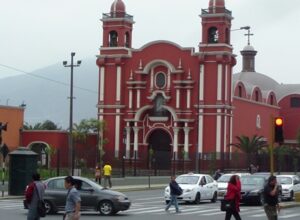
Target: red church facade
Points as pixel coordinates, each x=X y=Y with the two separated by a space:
x=169 y=100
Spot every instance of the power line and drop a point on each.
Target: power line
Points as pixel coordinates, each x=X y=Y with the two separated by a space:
x=46 y=78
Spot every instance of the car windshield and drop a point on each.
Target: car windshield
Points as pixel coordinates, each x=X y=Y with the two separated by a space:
x=284 y=180
x=187 y=179
x=252 y=180
x=224 y=179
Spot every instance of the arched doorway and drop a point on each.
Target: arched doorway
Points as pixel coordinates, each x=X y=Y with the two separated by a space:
x=41 y=149
x=160 y=146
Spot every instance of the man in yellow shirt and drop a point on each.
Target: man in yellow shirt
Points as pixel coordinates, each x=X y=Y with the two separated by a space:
x=107 y=175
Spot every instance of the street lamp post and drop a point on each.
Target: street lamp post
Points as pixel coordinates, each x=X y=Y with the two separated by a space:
x=71 y=155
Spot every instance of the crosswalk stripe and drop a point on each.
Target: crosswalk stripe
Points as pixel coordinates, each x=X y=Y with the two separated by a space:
x=132 y=210
x=290 y=216
x=199 y=211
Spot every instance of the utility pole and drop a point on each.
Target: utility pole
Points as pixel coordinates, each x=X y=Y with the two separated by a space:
x=71 y=155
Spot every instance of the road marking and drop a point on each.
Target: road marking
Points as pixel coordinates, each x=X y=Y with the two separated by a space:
x=290 y=216
x=160 y=197
x=132 y=210
x=199 y=211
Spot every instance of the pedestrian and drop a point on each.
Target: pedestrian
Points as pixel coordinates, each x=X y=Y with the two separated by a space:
x=233 y=194
x=252 y=169
x=34 y=192
x=217 y=174
x=98 y=174
x=73 y=200
x=107 y=175
x=271 y=193
x=175 y=191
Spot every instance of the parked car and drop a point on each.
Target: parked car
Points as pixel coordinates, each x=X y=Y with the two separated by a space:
x=290 y=185
x=252 y=189
x=93 y=197
x=196 y=187
x=223 y=183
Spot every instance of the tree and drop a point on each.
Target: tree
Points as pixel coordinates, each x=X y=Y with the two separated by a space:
x=87 y=126
x=250 y=147
x=46 y=125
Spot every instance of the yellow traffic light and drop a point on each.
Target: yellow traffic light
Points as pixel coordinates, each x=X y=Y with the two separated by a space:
x=278 y=130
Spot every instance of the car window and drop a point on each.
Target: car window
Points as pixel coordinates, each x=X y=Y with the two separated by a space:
x=284 y=180
x=58 y=184
x=203 y=181
x=187 y=179
x=209 y=179
x=250 y=180
x=85 y=186
x=224 y=179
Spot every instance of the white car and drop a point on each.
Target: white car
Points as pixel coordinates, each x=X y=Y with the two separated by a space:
x=196 y=187
x=223 y=183
x=290 y=185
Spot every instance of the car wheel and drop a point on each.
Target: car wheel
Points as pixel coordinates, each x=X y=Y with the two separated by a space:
x=49 y=207
x=214 y=198
x=106 y=208
x=197 y=198
x=292 y=196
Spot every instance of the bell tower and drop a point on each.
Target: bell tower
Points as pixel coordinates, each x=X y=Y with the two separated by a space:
x=117 y=27
x=216 y=24
x=215 y=88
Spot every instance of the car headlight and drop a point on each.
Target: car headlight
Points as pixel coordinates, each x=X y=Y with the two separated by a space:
x=188 y=190
x=121 y=198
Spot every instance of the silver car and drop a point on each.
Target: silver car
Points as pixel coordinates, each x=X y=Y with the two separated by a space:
x=93 y=196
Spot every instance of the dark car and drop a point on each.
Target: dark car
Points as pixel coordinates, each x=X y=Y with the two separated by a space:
x=252 y=188
x=93 y=197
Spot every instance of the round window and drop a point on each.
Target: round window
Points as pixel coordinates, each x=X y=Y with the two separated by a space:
x=160 y=80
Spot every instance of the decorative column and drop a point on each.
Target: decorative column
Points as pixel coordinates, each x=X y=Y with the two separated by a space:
x=186 y=140
x=127 y=151
x=135 y=144
x=175 y=143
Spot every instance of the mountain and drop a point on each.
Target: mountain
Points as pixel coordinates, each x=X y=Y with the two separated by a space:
x=46 y=94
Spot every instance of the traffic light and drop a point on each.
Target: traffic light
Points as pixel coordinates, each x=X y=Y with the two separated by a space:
x=278 y=130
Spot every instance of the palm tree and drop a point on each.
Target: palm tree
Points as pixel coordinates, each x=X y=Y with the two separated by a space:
x=46 y=125
x=87 y=126
x=250 y=147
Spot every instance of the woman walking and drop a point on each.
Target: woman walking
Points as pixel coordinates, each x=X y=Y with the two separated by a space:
x=234 y=194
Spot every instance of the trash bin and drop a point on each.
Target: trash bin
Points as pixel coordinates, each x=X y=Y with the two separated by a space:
x=22 y=164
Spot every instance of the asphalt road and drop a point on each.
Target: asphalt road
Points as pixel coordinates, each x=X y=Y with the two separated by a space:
x=149 y=205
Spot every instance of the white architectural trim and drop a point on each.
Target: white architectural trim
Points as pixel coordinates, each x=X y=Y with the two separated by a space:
x=130 y=99
x=200 y=132
x=118 y=89
x=102 y=83
x=127 y=153
x=188 y=99
x=117 y=134
x=218 y=132
x=201 y=83
x=138 y=98
x=225 y=133
x=226 y=83
x=219 y=85
x=175 y=142
x=177 y=98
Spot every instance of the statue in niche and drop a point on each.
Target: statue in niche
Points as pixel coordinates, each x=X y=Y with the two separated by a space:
x=158 y=106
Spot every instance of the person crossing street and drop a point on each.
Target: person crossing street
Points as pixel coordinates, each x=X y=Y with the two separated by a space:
x=175 y=191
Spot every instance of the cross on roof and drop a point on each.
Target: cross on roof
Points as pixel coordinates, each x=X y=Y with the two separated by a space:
x=249 y=34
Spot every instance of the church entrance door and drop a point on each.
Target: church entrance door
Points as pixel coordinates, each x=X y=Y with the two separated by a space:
x=160 y=143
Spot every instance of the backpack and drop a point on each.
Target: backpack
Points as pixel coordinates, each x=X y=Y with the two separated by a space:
x=29 y=192
x=179 y=191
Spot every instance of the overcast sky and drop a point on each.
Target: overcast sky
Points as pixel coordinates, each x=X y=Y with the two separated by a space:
x=38 y=33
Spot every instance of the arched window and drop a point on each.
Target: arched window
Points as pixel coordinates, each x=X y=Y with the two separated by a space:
x=213 y=35
x=272 y=100
x=160 y=80
x=240 y=90
x=127 y=40
x=256 y=96
x=113 y=39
